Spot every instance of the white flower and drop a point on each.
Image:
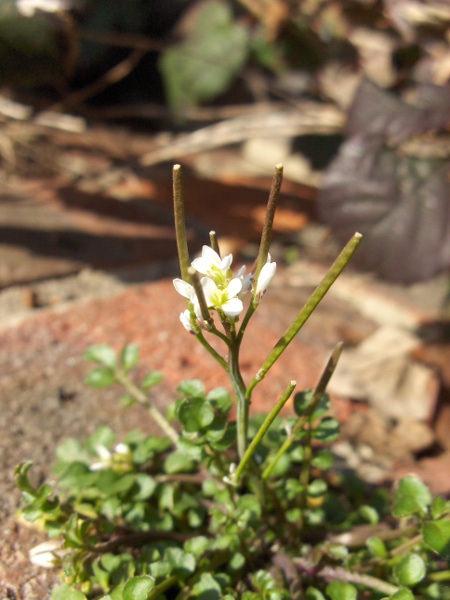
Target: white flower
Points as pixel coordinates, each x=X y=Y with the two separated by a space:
x=265 y=277
x=211 y=265
x=44 y=555
x=187 y=290
x=121 y=458
x=225 y=299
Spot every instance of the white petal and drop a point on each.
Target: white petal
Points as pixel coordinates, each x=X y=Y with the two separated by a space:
x=103 y=452
x=233 y=307
x=226 y=262
x=234 y=287
x=122 y=449
x=184 y=288
x=185 y=319
x=210 y=290
x=265 y=277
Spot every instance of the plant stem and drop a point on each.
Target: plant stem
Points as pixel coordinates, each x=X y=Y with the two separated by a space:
x=219 y=359
x=373 y=583
x=315 y=298
x=266 y=236
x=242 y=404
x=156 y=415
x=263 y=429
x=214 y=242
x=180 y=223
x=316 y=397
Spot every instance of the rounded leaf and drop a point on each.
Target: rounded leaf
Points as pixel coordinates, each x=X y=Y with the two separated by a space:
x=138 y=588
x=100 y=378
x=402 y=594
x=376 y=547
x=410 y=496
x=339 y=590
x=410 y=570
x=437 y=535
x=129 y=357
x=103 y=355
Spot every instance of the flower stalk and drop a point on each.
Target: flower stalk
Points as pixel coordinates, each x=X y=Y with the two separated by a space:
x=304 y=314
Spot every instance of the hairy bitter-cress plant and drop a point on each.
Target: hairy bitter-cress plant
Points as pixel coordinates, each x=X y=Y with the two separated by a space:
x=220 y=509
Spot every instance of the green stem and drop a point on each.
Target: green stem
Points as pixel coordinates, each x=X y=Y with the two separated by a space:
x=399 y=550
x=140 y=397
x=219 y=359
x=180 y=223
x=315 y=298
x=242 y=403
x=316 y=397
x=263 y=429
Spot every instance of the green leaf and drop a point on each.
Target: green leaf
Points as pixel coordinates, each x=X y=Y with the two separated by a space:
x=178 y=463
x=410 y=570
x=302 y=400
x=327 y=430
x=313 y=593
x=103 y=355
x=192 y=387
x=207 y=588
x=195 y=414
x=369 y=514
x=203 y=65
x=220 y=399
x=439 y=507
x=138 y=588
x=376 y=547
x=339 y=590
x=129 y=357
x=323 y=460
x=190 y=449
x=182 y=563
x=317 y=488
x=100 y=378
x=64 y=592
x=411 y=496
x=197 y=545
x=22 y=480
x=402 y=594
x=151 y=379
x=147 y=486
x=437 y=535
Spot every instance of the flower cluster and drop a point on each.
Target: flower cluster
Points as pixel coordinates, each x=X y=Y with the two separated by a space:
x=222 y=291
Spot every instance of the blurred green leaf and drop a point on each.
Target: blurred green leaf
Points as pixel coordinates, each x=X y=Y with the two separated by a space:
x=410 y=570
x=138 y=588
x=192 y=387
x=411 y=496
x=151 y=379
x=437 y=535
x=103 y=355
x=203 y=65
x=64 y=592
x=129 y=357
x=100 y=378
x=339 y=590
